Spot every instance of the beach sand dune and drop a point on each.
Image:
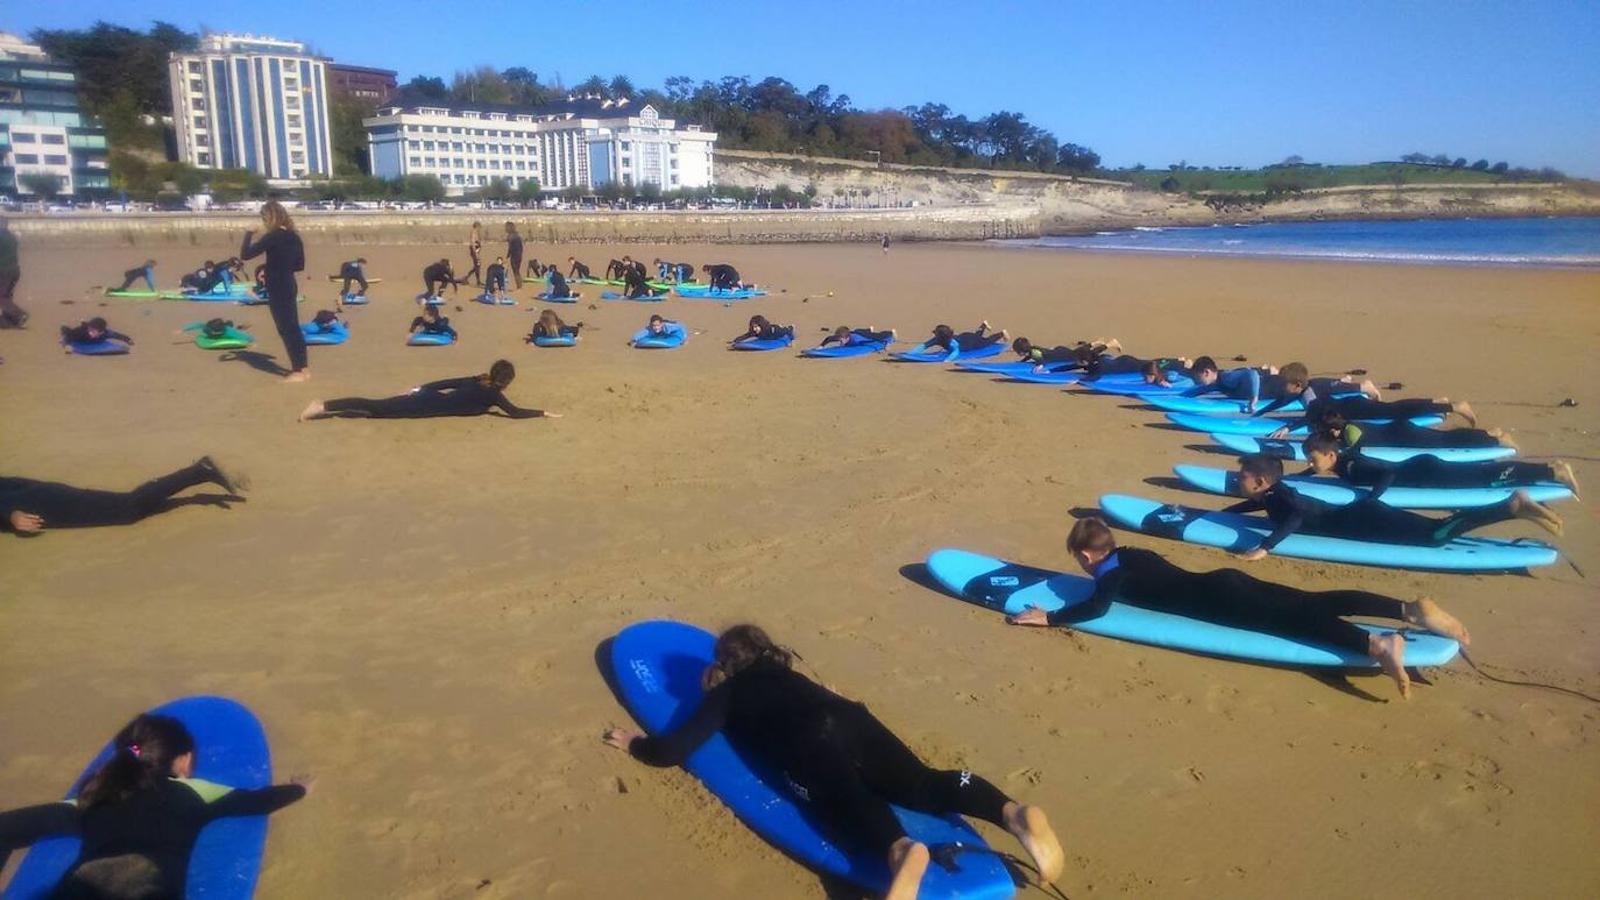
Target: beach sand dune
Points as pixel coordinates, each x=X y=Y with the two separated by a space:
x=414 y=608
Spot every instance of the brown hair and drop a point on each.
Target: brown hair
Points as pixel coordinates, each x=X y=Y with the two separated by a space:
x=1295 y=373
x=1320 y=443
x=742 y=646
x=549 y=324
x=274 y=216
x=501 y=374
x=1262 y=466
x=1091 y=534
x=142 y=753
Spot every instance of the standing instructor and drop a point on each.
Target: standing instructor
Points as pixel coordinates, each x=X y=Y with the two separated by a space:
x=285 y=256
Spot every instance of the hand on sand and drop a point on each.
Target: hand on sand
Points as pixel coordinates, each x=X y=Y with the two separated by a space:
x=620 y=738
x=26 y=522
x=551 y=415
x=1033 y=615
x=1252 y=555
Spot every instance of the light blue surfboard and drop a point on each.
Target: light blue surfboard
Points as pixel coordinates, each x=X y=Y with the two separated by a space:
x=1265 y=425
x=103 y=347
x=1044 y=377
x=1238 y=533
x=232 y=750
x=1212 y=405
x=547 y=298
x=338 y=333
x=1293 y=450
x=706 y=292
x=1343 y=493
x=657 y=666
x=1011 y=368
x=763 y=344
x=425 y=339
x=673 y=335
x=1010 y=589
x=1135 y=386
x=846 y=351
x=920 y=354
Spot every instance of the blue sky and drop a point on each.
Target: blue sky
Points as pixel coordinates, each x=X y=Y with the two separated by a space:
x=1212 y=83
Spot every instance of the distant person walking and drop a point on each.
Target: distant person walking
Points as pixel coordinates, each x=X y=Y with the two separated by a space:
x=11 y=315
x=514 y=252
x=886 y=244
x=286 y=255
x=474 y=247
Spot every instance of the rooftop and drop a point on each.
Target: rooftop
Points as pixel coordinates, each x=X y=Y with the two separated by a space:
x=573 y=107
x=250 y=43
x=14 y=47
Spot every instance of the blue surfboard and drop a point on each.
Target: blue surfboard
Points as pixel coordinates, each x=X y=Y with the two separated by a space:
x=547 y=298
x=426 y=339
x=1343 y=493
x=1003 y=368
x=566 y=340
x=1265 y=425
x=104 y=347
x=920 y=354
x=1211 y=406
x=1044 y=377
x=657 y=667
x=1134 y=386
x=706 y=292
x=1238 y=533
x=845 y=351
x=337 y=333
x=1011 y=589
x=231 y=750
x=673 y=335
x=763 y=344
x=1293 y=450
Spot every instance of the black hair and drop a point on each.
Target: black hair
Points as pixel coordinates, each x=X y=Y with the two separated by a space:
x=742 y=646
x=943 y=332
x=1021 y=346
x=98 y=323
x=1320 y=443
x=142 y=753
x=502 y=373
x=1262 y=466
x=1202 y=363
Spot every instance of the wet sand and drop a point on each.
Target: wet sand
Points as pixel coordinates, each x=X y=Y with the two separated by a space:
x=413 y=608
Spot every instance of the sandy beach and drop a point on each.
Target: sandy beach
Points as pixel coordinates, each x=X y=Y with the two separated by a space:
x=413 y=608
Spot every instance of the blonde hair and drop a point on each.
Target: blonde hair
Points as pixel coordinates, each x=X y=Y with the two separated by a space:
x=274 y=216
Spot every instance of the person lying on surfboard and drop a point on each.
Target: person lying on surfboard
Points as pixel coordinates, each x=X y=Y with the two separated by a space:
x=430 y=322
x=762 y=330
x=843 y=764
x=845 y=336
x=1361 y=406
x=90 y=331
x=140 y=814
x=1061 y=358
x=945 y=338
x=551 y=327
x=1326 y=456
x=1230 y=597
x=1295 y=383
x=1244 y=383
x=1402 y=433
x=1261 y=483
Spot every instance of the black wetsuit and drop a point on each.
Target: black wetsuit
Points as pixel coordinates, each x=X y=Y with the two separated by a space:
x=1145 y=579
x=768 y=332
x=200 y=280
x=839 y=760
x=467 y=396
x=1404 y=434
x=11 y=315
x=1106 y=364
x=967 y=341
x=1364 y=520
x=134 y=274
x=65 y=506
x=723 y=277
x=440 y=325
x=514 y=256
x=474 y=249
x=1059 y=358
x=579 y=270
x=636 y=284
x=285 y=256
x=562 y=330
x=616 y=270
x=558 y=286
x=159 y=823
x=495 y=278
x=1433 y=472
x=79 y=334
x=858 y=336
x=437 y=274
x=683 y=272
x=353 y=271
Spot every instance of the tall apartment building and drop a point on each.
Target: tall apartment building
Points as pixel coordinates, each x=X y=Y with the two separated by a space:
x=583 y=142
x=42 y=130
x=375 y=86
x=256 y=103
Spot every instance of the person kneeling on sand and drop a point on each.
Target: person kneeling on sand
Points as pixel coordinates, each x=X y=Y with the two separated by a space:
x=843 y=764
x=1229 y=597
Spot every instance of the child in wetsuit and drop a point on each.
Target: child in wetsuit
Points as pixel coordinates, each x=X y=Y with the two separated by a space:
x=945 y=338
x=494 y=279
x=844 y=336
x=430 y=322
x=474 y=395
x=762 y=330
x=722 y=277
x=139 y=815
x=1145 y=579
x=1327 y=457
x=436 y=276
x=27 y=506
x=354 y=270
x=90 y=331
x=550 y=326
x=147 y=271
x=579 y=270
x=1261 y=483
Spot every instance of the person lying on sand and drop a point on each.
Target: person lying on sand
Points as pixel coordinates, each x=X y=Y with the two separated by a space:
x=1147 y=580
x=28 y=506
x=845 y=765
x=1261 y=483
x=474 y=395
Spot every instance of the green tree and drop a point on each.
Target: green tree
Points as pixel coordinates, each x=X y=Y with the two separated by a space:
x=650 y=192
x=350 y=156
x=497 y=189
x=1481 y=165
x=482 y=85
x=424 y=87
x=43 y=185
x=573 y=193
x=1499 y=168
x=528 y=190
x=423 y=188
x=611 y=191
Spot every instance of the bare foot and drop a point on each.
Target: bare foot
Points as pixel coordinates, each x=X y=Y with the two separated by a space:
x=1032 y=829
x=1500 y=435
x=894 y=335
x=1523 y=507
x=1371 y=390
x=983 y=326
x=1429 y=615
x=232 y=485
x=908 y=860
x=1005 y=335
x=314 y=411
x=1464 y=409
x=297 y=376
x=1564 y=474
x=1389 y=651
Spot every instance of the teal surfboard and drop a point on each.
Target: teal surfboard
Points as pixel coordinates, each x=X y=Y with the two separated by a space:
x=1263 y=426
x=1010 y=588
x=1238 y=533
x=1292 y=449
x=1343 y=493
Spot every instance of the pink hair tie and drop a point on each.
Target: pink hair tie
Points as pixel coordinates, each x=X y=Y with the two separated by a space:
x=134 y=749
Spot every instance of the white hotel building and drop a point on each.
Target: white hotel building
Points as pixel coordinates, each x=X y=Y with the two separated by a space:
x=583 y=142
x=256 y=103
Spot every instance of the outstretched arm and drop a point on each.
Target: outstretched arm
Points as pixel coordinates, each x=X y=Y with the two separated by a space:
x=256 y=802
x=672 y=749
x=23 y=827
x=513 y=410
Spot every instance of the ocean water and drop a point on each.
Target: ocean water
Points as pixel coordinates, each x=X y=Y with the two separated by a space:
x=1485 y=242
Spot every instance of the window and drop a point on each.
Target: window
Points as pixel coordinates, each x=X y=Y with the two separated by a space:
x=297 y=157
x=202 y=140
x=196 y=67
x=197 y=86
x=27 y=159
x=23 y=137
x=415 y=161
x=291 y=102
x=198 y=104
x=55 y=160
x=432 y=161
x=200 y=122
x=296 y=137
x=203 y=159
x=625 y=146
x=294 y=122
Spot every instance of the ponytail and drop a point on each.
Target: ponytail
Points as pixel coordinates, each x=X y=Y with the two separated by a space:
x=142 y=754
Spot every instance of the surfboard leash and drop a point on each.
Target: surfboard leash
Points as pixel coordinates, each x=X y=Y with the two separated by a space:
x=945 y=856
x=1533 y=684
